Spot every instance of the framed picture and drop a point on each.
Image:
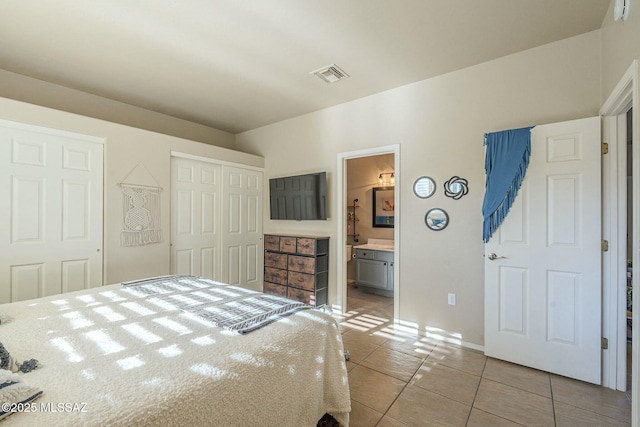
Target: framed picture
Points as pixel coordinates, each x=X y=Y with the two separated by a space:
x=383 y=206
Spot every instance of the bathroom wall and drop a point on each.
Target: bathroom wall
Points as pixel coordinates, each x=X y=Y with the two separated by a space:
x=362 y=175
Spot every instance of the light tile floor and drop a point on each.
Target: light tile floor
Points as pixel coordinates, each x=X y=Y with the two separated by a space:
x=399 y=378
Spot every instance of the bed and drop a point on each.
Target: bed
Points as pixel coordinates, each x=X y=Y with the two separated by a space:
x=121 y=355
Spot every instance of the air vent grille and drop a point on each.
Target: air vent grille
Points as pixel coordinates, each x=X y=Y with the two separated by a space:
x=331 y=73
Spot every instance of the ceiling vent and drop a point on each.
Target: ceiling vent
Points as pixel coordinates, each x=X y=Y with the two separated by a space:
x=330 y=74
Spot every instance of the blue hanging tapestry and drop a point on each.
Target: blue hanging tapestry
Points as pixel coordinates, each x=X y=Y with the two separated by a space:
x=506 y=161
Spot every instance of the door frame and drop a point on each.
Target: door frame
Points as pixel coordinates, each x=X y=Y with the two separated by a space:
x=624 y=95
x=341 y=270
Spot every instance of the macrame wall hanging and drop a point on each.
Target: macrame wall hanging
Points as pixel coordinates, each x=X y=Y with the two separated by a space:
x=141 y=208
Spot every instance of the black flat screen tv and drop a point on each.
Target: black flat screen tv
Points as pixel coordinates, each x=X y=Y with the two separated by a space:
x=300 y=197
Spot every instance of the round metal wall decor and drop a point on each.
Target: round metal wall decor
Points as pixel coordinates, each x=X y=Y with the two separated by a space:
x=436 y=219
x=456 y=187
x=424 y=187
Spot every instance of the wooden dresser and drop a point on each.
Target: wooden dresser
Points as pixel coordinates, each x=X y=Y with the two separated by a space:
x=297 y=267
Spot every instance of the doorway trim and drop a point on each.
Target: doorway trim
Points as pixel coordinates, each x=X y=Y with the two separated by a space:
x=341 y=271
x=624 y=96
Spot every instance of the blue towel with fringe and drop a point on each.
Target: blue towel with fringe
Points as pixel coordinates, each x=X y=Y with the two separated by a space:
x=506 y=162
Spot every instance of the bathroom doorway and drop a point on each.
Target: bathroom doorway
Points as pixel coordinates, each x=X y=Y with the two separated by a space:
x=368 y=274
x=370 y=233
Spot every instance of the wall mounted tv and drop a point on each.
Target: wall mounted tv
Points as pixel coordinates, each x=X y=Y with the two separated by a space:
x=300 y=197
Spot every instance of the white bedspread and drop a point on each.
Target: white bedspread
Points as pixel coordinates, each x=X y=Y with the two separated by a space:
x=126 y=361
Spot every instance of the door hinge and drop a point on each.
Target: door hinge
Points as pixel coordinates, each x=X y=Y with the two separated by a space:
x=605 y=343
x=605 y=148
x=605 y=245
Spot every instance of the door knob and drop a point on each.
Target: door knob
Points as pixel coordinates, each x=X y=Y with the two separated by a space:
x=492 y=256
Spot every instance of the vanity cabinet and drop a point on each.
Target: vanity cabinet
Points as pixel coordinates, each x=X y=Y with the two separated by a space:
x=297 y=267
x=374 y=270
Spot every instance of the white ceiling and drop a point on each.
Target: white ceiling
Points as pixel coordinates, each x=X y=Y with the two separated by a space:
x=240 y=64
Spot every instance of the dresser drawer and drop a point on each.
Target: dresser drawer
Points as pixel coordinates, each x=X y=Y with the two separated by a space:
x=275 y=275
x=274 y=289
x=273 y=259
x=271 y=243
x=301 y=295
x=311 y=246
x=288 y=244
x=306 y=246
x=308 y=281
x=302 y=264
x=301 y=280
x=318 y=299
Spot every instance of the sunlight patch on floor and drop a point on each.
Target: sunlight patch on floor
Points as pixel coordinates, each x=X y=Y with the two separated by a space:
x=442 y=335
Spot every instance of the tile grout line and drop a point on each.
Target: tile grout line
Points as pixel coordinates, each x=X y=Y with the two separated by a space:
x=553 y=401
x=477 y=389
x=403 y=388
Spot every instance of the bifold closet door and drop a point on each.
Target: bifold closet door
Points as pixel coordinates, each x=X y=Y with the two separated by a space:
x=242 y=245
x=195 y=221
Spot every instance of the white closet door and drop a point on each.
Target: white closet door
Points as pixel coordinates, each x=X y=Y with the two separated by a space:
x=51 y=220
x=195 y=220
x=242 y=246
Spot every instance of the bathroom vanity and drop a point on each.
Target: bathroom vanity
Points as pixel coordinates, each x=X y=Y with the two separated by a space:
x=374 y=266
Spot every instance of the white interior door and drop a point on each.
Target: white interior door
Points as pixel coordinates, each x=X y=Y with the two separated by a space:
x=51 y=215
x=543 y=291
x=195 y=219
x=242 y=245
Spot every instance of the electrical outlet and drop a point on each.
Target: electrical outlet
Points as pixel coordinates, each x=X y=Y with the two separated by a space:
x=451 y=298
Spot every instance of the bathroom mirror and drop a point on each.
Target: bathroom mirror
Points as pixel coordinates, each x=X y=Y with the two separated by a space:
x=436 y=219
x=456 y=187
x=383 y=206
x=424 y=187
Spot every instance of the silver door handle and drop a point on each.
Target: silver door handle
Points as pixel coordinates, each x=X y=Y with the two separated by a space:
x=493 y=256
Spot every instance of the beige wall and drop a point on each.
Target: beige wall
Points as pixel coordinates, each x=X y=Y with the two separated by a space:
x=620 y=46
x=125 y=147
x=38 y=92
x=439 y=124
